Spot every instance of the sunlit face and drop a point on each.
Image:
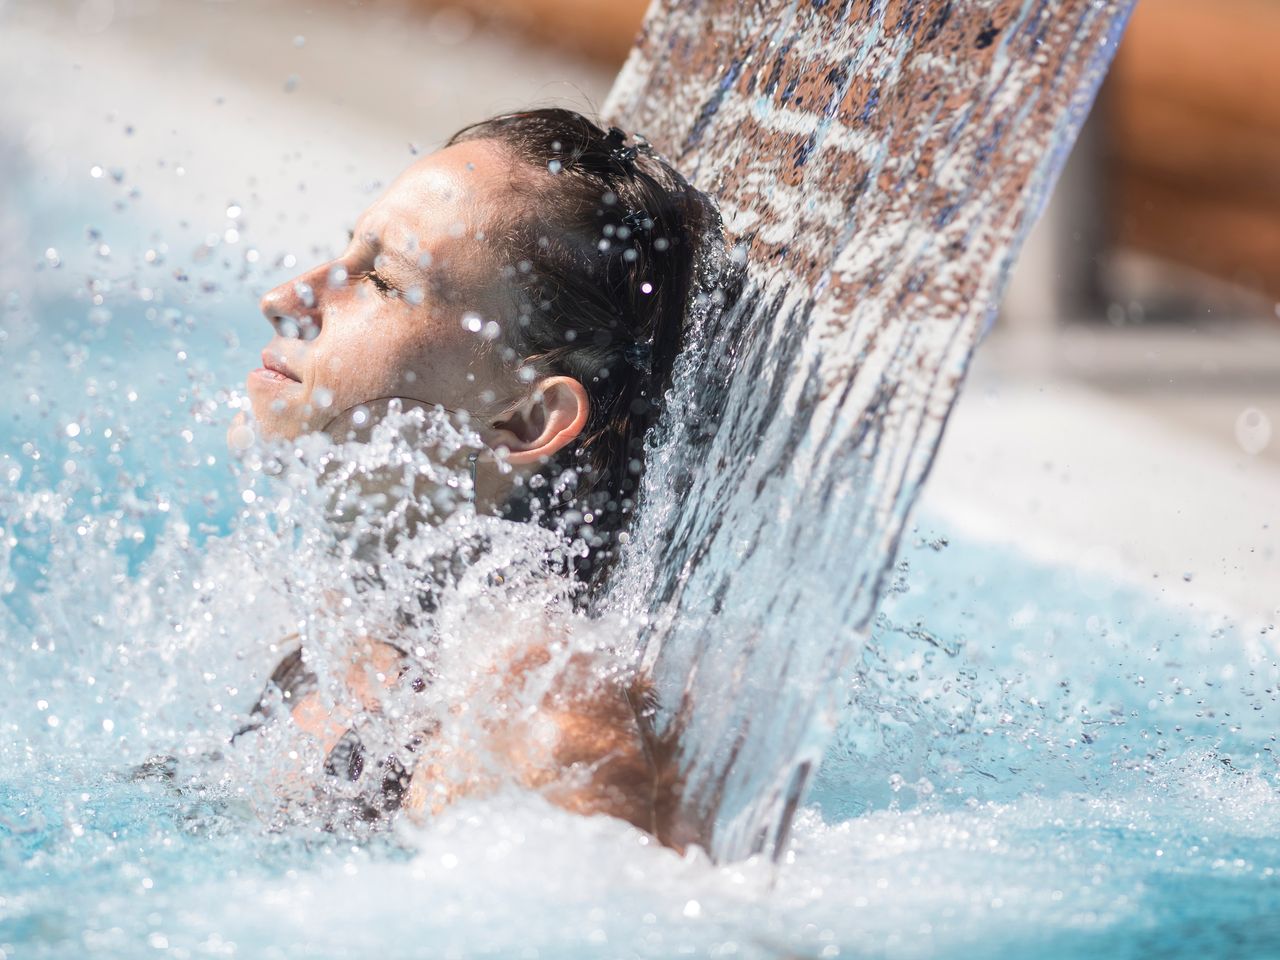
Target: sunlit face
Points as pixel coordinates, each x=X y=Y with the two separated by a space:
x=402 y=312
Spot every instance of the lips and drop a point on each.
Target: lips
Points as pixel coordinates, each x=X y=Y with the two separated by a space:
x=275 y=364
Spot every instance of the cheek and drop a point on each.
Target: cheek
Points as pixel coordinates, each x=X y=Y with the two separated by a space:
x=357 y=369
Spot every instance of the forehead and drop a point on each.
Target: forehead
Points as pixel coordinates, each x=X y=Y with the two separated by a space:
x=440 y=202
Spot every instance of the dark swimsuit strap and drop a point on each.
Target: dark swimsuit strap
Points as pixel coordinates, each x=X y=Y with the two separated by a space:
x=347 y=759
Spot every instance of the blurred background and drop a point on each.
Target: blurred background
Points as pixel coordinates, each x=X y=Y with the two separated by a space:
x=1124 y=411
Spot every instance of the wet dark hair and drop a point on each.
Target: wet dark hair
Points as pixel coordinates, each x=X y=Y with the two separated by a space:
x=603 y=254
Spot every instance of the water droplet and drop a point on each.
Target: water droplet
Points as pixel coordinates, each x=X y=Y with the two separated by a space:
x=1253 y=430
x=299 y=41
x=240 y=437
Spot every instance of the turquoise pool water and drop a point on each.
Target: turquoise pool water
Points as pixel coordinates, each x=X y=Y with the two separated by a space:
x=1029 y=760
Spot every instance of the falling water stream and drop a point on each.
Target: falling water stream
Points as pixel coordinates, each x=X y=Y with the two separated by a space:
x=878 y=165
x=906 y=744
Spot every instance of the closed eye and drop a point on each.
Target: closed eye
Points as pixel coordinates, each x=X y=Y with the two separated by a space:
x=379 y=283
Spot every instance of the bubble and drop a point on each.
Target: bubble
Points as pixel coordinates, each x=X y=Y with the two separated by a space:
x=96 y=172
x=73 y=430
x=646 y=287
x=233 y=212
x=52 y=258
x=472 y=322
x=1253 y=430
x=291 y=83
x=323 y=397
x=337 y=275
x=299 y=41
x=240 y=437
x=491 y=331
x=248 y=496
x=555 y=166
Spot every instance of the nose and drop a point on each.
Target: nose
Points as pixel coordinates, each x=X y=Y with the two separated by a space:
x=294 y=308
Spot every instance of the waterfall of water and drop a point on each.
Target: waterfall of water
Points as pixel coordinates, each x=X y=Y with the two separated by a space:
x=878 y=163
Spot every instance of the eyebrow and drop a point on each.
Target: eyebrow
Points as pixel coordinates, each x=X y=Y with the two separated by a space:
x=379 y=249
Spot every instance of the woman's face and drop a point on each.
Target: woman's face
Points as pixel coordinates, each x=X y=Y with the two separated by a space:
x=406 y=311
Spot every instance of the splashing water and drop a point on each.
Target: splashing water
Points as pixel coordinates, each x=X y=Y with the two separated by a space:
x=1022 y=758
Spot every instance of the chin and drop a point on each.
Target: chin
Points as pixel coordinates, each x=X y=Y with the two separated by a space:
x=270 y=421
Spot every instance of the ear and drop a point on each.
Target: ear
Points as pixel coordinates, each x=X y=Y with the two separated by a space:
x=549 y=419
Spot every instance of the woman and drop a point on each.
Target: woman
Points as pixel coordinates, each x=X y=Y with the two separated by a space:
x=535 y=275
